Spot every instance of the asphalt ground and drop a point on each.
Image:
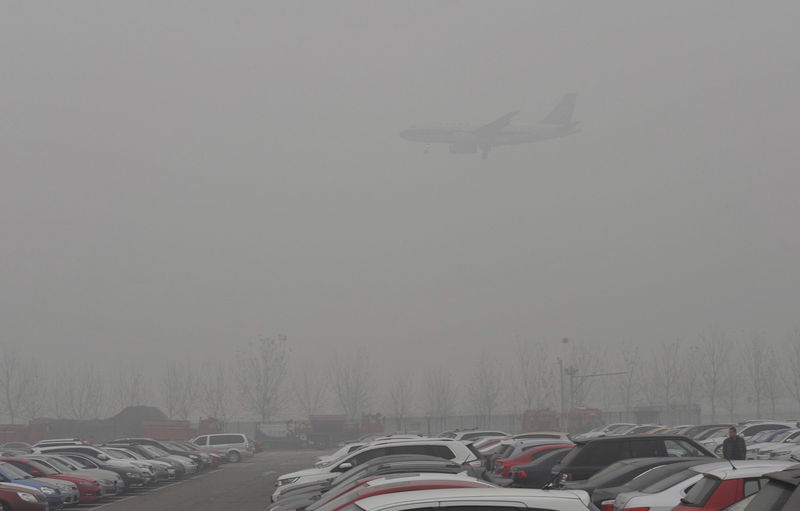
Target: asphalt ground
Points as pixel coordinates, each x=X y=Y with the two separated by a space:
x=244 y=486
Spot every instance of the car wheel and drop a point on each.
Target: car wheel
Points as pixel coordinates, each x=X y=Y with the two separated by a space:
x=233 y=457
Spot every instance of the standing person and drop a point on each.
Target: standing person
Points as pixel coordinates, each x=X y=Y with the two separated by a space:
x=734 y=448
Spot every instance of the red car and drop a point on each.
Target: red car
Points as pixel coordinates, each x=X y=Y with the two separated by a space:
x=89 y=489
x=502 y=467
x=22 y=498
x=409 y=482
x=714 y=493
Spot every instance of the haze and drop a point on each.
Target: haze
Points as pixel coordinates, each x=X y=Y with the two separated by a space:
x=182 y=177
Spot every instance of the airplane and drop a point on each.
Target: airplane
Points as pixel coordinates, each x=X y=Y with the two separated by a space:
x=470 y=139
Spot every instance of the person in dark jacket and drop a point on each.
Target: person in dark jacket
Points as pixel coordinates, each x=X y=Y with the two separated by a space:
x=734 y=448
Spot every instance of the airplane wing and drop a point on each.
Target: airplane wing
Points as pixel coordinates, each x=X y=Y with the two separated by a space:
x=488 y=130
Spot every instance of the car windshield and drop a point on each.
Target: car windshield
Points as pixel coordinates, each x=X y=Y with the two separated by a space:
x=118 y=454
x=62 y=465
x=13 y=472
x=42 y=466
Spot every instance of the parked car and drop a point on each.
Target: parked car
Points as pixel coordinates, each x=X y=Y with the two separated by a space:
x=514 y=448
x=703 y=431
x=604 y=497
x=131 y=472
x=589 y=457
x=325 y=460
x=472 y=434
x=110 y=482
x=11 y=474
x=618 y=473
x=746 y=431
x=664 y=495
x=22 y=447
x=234 y=446
x=502 y=466
x=22 y=498
x=608 y=429
x=441 y=448
x=201 y=460
x=780 y=493
x=89 y=488
x=183 y=466
x=69 y=491
x=406 y=483
x=162 y=470
x=725 y=486
x=303 y=495
x=477 y=499
x=536 y=474
x=778 y=442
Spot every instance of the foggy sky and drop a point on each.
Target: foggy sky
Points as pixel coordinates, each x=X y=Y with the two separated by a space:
x=181 y=175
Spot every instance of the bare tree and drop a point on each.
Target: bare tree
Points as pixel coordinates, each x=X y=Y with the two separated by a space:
x=180 y=388
x=533 y=374
x=310 y=390
x=585 y=361
x=401 y=394
x=666 y=361
x=131 y=385
x=261 y=371
x=772 y=378
x=485 y=388
x=16 y=379
x=440 y=394
x=217 y=393
x=79 y=392
x=754 y=369
x=688 y=375
x=629 y=382
x=792 y=366
x=713 y=354
x=352 y=383
x=731 y=383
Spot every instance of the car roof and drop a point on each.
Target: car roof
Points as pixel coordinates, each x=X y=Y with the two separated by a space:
x=625 y=438
x=420 y=476
x=540 y=498
x=790 y=475
x=744 y=468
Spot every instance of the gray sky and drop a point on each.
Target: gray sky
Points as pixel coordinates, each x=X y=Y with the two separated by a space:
x=177 y=175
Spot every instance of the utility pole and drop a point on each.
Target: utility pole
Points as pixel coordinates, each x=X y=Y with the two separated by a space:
x=561 y=375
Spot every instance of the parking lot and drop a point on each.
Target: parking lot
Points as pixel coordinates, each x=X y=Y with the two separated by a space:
x=244 y=486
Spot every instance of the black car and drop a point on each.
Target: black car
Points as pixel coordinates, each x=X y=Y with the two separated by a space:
x=646 y=479
x=781 y=493
x=539 y=473
x=591 y=456
x=301 y=498
x=620 y=473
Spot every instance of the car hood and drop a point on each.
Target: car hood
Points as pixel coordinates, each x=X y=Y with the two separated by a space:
x=305 y=472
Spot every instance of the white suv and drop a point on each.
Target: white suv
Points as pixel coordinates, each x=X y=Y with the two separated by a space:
x=440 y=448
x=234 y=446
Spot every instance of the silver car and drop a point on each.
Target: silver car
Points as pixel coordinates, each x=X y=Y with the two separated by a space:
x=234 y=446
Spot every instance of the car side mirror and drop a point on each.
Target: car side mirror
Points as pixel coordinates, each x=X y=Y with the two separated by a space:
x=345 y=466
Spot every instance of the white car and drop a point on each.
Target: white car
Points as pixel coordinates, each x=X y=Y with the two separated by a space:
x=762 y=451
x=608 y=429
x=440 y=448
x=666 y=494
x=475 y=499
x=745 y=431
x=471 y=434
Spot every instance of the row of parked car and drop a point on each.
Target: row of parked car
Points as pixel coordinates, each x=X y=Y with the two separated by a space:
x=57 y=473
x=610 y=469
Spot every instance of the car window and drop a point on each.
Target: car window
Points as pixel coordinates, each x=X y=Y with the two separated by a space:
x=647 y=448
x=440 y=451
x=200 y=440
x=366 y=456
x=702 y=491
x=751 y=486
x=601 y=453
x=772 y=497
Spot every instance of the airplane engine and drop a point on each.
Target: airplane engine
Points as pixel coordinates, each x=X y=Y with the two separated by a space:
x=465 y=147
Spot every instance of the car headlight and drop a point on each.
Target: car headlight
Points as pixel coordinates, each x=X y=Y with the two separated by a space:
x=48 y=491
x=28 y=497
x=289 y=480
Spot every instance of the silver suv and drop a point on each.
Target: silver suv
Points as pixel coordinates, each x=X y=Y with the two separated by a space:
x=234 y=446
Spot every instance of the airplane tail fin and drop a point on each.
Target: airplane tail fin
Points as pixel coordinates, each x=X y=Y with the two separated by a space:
x=562 y=113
